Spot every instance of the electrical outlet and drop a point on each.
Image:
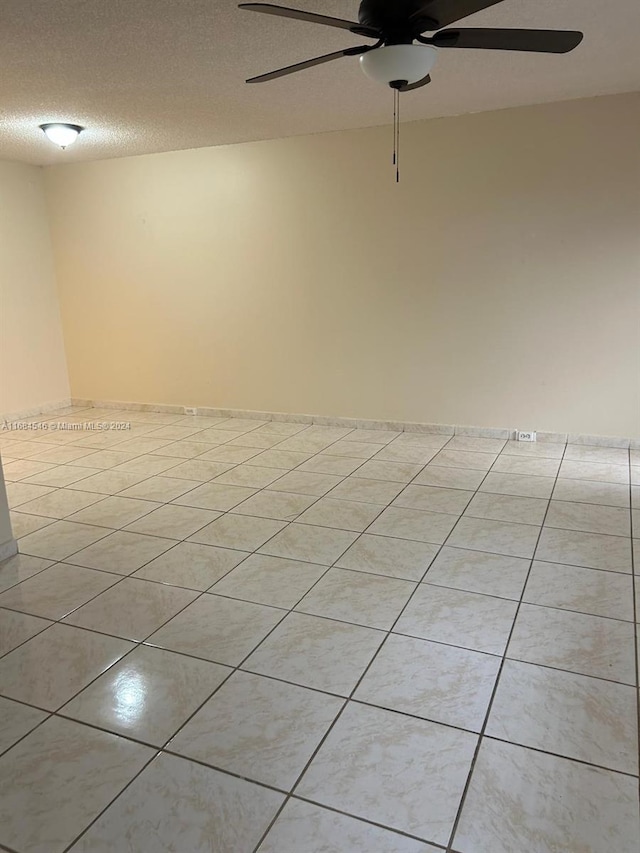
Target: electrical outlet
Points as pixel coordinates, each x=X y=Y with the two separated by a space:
x=189 y=411
x=525 y=436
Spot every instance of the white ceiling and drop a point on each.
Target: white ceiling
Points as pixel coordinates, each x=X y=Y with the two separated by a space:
x=158 y=75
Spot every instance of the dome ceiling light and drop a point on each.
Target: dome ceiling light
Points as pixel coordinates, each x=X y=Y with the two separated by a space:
x=61 y=133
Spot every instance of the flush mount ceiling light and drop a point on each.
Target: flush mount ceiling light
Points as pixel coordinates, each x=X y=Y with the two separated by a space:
x=61 y=133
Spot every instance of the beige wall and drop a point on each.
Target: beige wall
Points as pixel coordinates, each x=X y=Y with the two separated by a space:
x=33 y=369
x=497 y=285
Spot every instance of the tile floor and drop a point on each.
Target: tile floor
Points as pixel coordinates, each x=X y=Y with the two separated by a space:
x=228 y=636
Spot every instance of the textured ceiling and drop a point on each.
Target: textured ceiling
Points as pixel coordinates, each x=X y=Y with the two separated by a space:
x=158 y=75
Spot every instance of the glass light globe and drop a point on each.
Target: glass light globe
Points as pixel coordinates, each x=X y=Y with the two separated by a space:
x=61 y=134
x=410 y=62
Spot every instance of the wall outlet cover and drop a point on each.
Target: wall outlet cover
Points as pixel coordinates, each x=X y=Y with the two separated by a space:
x=190 y=411
x=525 y=436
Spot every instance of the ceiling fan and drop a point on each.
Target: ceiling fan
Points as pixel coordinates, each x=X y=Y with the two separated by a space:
x=395 y=59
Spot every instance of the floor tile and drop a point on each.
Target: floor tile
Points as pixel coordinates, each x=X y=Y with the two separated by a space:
x=174 y=522
x=304 y=826
x=586 y=453
x=306 y=483
x=477 y=622
x=147 y=695
x=600 y=472
x=423 y=439
x=63 y=475
x=62 y=455
x=253 y=476
x=279 y=459
x=284 y=506
x=17 y=627
x=218 y=812
x=23 y=493
x=61 y=539
x=344 y=515
x=185 y=448
x=54 y=665
x=434 y=499
x=591 y=492
x=310 y=544
x=400 y=523
x=381 y=555
x=114 y=512
x=507 y=508
x=106 y=459
x=270 y=580
x=589 y=518
x=592 y=550
x=121 y=552
x=364 y=599
x=160 y=488
x=567 y=714
x=199 y=469
x=589 y=645
x=368 y=491
x=215 y=496
x=132 y=609
x=192 y=566
x=17 y=720
x=522 y=485
x=242 y=532
x=498 y=537
x=464 y=459
x=591 y=591
x=525 y=800
x=525 y=465
x=51 y=776
x=20 y=567
x=316 y=652
x=404 y=773
x=22 y=524
x=219 y=629
x=22 y=468
x=406 y=453
x=547 y=449
x=148 y=465
x=431 y=680
x=107 y=482
x=476 y=444
x=450 y=478
x=236 y=455
x=477 y=571
x=57 y=591
x=354 y=449
x=259 y=728
x=396 y=472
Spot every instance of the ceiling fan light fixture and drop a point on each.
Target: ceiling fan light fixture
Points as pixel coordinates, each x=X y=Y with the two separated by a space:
x=399 y=62
x=61 y=133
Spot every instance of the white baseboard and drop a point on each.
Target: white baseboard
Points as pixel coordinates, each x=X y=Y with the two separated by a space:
x=359 y=423
x=43 y=409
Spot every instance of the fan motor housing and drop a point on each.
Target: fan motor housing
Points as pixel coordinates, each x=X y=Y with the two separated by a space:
x=401 y=21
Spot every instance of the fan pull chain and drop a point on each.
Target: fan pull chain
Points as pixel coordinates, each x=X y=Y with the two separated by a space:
x=396 y=133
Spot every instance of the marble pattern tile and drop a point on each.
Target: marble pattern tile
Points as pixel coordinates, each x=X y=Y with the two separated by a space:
x=406 y=453
x=537 y=448
x=199 y=470
x=62 y=776
x=441 y=683
x=477 y=622
x=192 y=566
x=381 y=555
x=404 y=773
x=310 y=544
x=22 y=493
x=591 y=492
x=147 y=695
x=592 y=550
x=434 y=499
x=284 y=506
x=131 y=609
x=364 y=599
x=400 y=523
x=316 y=652
x=121 y=552
x=567 y=714
x=588 y=645
x=512 y=508
x=477 y=571
x=589 y=518
x=526 y=465
x=57 y=591
x=525 y=800
x=498 y=537
x=396 y=472
x=253 y=476
x=63 y=475
x=306 y=483
x=107 y=482
x=258 y=728
x=22 y=468
x=173 y=522
x=597 y=471
x=16 y=721
x=54 y=665
x=218 y=629
x=591 y=591
x=522 y=485
x=450 y=478
x=114 y=512
x=464 y=459
x=586 y=453
x=215 y=496
x=242 y=532
x=148 y=465
x=60 y=539
x=16 y=628
x=217 y=812
x=163 y=488
x=236 y=455
x=354 y=449
x=305 y=826
x=368 y=491
x=476 y=444
x=343 y=515
x=20 y=567
x=270 y=580
x=276 y=458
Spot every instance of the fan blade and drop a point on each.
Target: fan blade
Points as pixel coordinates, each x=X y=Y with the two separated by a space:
x=541 y=41
x=441 y=13
x=312 y=18
x=418 y=85
x=319 y=60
